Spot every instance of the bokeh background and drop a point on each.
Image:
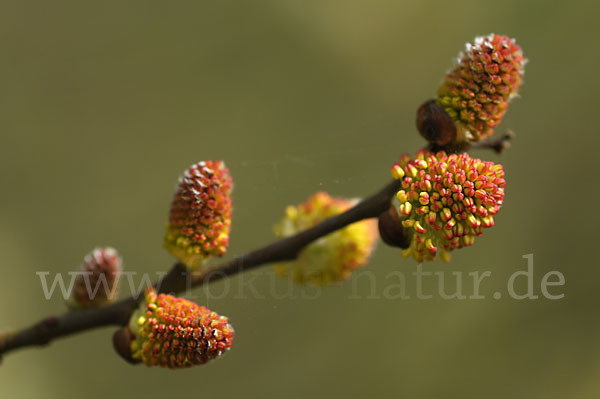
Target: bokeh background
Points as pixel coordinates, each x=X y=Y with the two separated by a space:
x=104 y=104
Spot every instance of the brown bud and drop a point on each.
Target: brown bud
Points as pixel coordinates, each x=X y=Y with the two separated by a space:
x=122 y=339
x=391 y=230
x=434 y=123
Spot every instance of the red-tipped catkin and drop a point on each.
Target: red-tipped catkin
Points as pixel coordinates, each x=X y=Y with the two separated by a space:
x=200 y=217
x=476 y=92
x=447 y=200
x=96 y=284
x=177 y=333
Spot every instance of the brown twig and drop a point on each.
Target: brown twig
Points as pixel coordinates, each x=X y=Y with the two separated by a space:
x=497 y=143
x=176 y=280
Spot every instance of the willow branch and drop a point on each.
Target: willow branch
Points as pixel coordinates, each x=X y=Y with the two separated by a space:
x=177 y=279
x=288 y=248
x=496 y=143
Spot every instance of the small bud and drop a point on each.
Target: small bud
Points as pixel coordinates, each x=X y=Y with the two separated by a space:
x=173 y=332
x=96 y=284
x=200 y=217
x=122 y=339
x=476 y=92
x=462 y=195
x=392 y=231
x=333 y=257
x=434 y=123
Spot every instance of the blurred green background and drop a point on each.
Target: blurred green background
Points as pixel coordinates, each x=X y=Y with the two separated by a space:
x=104 y=104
